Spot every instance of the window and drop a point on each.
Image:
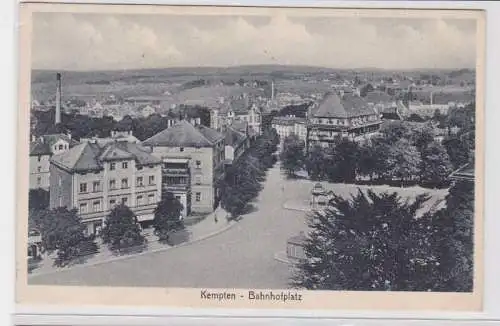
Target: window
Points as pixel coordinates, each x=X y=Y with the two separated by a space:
x=61 y=147
x=140 y=200
x=39 y=158
x=83 y=187
x=59 y=181
x=60 y=201
x=125 y=183
x=139 y=168
x=139 y=182
x=198 y=164
x=124 y=200
x=151 y=179
x=198 y=196
x=112 y=166
x=83 y=208
x=96 y=205
x=38 y=181
x=197 y=180
x=181 y=149
x=112 y=184
x=125 y=165
x=112 y=203
x=96 y=186
x=39 y=169
x=151 y=198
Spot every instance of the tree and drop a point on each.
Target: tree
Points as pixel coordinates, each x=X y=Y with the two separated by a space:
x=422 y=137
x=380 y=154
x=62 y=231
x=292 y=156
x=368 y=160
x=366 y=89
x=345 y=160
x=316 y=163
x=456 y=238
x=395 y=131
x=167 y=216
x=38 y=199
x=121 y=229
x=436 y=165
x=459 y=148
x=369 y=242
x=403 y=161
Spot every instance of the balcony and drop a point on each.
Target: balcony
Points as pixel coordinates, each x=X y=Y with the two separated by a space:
x=176 y=187
x=176 y=171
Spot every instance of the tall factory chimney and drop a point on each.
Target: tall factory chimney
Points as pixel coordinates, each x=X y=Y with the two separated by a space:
x=58 y=99
x=272 y=89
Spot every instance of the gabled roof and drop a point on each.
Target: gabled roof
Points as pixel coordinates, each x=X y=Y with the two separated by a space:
x=91 y=156
x=184 y=134
x=234 y=137
x=81 y=157
x=42 y=145
x=347 y=106
x=209 y=133
x=111 y=153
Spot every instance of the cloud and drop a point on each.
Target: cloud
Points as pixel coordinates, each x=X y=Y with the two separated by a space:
x=86 y=42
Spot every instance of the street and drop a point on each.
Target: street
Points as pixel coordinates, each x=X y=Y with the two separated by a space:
x=242 y=257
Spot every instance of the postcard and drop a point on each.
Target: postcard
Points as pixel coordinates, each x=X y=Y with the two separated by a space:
x=250 y=157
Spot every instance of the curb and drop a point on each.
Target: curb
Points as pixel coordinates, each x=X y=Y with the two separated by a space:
x=285 y=206
x=204 y=237
x=282 y=260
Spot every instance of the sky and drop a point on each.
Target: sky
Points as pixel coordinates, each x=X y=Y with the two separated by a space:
x=69 y=41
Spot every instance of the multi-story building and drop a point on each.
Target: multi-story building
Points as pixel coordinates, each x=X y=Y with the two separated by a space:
x=290 y=125
x=93 y=178
x=237 y=110
x=193 y=163
x=236 y=143
x=344 y=115
x=41 y=150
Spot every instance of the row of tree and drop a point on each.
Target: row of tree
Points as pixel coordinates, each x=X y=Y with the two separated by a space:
x=83 y=126
x=62 y=230
x=379 y=242
x=401 y=153
x=243 y=180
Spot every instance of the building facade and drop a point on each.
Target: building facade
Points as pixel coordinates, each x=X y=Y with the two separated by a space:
x=290 y=125
x=192 y=159
x=236 y=143
x=340 y=115
x=237 y=110
x=41 y=150
x=94 y=178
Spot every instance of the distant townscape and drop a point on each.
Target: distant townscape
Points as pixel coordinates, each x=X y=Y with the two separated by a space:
x=292 y=177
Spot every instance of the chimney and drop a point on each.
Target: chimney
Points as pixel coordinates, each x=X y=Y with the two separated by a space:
x=58 y=99
x=198 y=121
x=69 y=134
x=272 y=89
x=431 y=99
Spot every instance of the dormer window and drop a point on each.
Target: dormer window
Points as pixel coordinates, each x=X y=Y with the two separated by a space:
x=181 y=149
x=61 y=147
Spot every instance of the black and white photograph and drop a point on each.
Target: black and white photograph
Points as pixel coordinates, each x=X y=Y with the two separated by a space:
x=278 y=151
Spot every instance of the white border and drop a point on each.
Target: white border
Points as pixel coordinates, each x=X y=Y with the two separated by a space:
x=118 y=316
